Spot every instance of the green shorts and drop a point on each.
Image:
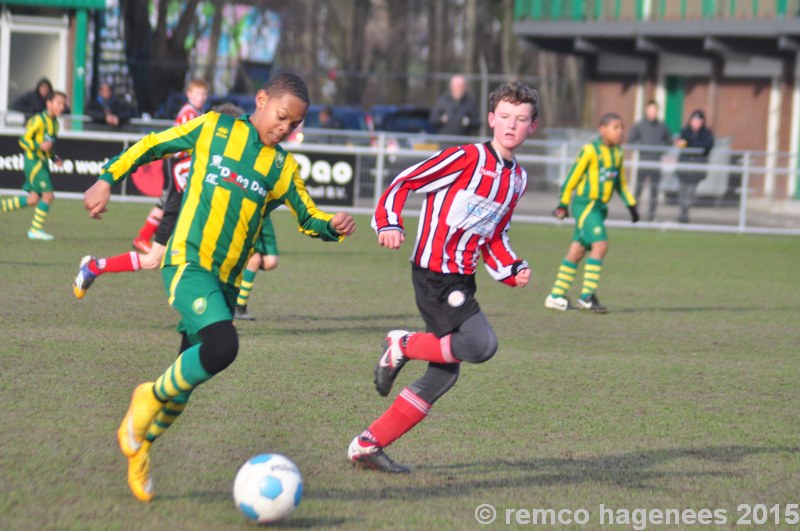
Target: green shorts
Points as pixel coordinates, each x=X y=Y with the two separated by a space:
x=267 y=244
x=37 y=176
x=199 y=296
x=589 y=223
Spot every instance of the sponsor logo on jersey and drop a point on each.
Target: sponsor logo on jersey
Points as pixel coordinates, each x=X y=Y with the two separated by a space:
x=475 y=214
x=229 y=176
x=607 y=174
x=222 y=132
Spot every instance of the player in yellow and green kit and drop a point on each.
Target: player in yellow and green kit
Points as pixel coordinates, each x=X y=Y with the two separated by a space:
x=593 y=178
x=238 y=175
x=37 y=142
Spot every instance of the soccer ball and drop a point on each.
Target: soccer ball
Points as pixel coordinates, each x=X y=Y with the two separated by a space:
x=267 y=488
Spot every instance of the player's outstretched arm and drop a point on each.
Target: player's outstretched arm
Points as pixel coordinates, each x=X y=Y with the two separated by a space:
x=391 y=238
x=96 y=198
x=343 y=223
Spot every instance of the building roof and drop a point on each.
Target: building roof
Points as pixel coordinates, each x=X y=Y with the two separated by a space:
x=771 y=37
x=63 y=4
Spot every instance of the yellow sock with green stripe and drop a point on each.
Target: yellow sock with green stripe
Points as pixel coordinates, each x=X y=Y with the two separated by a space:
x=591 y=277
x=40 y=216
x=10 y=204
x=182 y=376
x=248 y=277
x=566 y=274
x=167 y=416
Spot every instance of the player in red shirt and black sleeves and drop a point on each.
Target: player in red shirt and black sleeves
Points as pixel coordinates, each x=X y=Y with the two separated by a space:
x=470 y=194
x=196 y=96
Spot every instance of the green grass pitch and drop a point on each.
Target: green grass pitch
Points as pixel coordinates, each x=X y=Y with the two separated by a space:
x=684 y=396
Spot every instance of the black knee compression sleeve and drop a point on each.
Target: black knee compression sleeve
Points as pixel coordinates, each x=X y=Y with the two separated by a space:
x=185 y=343
x=436 y=381
x=219 y=347
x=474 y=341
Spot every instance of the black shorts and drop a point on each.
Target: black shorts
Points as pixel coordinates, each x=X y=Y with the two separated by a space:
x=444 y=300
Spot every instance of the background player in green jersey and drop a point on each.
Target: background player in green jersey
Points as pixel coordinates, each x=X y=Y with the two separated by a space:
x=37 y=142
x=265 y=257
x=238 y=175
x=594 y=177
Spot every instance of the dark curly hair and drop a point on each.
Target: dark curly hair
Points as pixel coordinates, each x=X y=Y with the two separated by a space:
x=517 y=93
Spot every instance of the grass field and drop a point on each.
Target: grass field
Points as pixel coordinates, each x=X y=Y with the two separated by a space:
x=684 y=396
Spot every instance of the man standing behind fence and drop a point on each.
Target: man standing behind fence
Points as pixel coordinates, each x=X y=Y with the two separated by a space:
x=650 y=132
x=455 y=112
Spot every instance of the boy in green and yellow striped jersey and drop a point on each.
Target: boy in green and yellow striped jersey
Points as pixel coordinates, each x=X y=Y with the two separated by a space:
x=37 y=142
x=594 y=177
x=238 y=175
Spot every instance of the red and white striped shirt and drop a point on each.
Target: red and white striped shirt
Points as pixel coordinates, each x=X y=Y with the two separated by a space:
x=187 y=113
x=180 y=169
x=470 y=194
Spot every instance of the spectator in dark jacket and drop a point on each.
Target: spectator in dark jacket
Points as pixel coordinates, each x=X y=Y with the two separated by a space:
x=700 y=139
x=107 y=108
x=654 y=134
x=455 y=112
x=33 y=102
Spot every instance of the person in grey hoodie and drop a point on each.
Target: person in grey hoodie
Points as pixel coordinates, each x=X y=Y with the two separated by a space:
x=650 y=132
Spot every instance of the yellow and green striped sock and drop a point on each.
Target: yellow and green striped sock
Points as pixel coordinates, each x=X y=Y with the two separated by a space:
x=10 y=204
x=566 y=274
x=40 y=216
x=167 y=416
x=182 y=376
x=591 y=277
x=248 y=278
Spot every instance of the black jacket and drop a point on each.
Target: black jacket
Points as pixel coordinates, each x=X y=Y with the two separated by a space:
x=703 y=139
x=462 y=115
x=97 y=110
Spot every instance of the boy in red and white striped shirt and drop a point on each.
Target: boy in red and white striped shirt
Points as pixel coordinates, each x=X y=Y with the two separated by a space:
x=470 y=193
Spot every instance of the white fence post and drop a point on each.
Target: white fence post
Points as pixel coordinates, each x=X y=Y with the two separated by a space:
x=744 y=191
x=379 y=168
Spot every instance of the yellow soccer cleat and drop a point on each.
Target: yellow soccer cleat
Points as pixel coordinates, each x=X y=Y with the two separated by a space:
x=139 y=473
x=143 y=409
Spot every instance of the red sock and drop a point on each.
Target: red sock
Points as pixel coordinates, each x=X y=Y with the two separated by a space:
x=116 y=264
x=151 y=225
x=426 y=346
x=406 y=411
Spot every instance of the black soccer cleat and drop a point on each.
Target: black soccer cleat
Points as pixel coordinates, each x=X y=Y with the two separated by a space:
x=390 y=362
x=591 y=304
x=242 y=315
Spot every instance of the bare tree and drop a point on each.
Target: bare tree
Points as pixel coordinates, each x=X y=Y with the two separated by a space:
x=157 y=59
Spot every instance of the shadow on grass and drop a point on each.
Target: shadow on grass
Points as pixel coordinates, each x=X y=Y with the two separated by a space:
x=633 y=470
x=225 y=497
x=308 y=523
x=690 y=309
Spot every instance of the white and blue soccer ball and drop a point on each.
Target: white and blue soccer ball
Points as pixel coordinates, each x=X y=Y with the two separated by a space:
x=268 y=488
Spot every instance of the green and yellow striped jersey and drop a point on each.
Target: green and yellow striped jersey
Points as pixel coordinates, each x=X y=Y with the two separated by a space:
x=597 y=172
x=39 y=128
x=234 y=182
